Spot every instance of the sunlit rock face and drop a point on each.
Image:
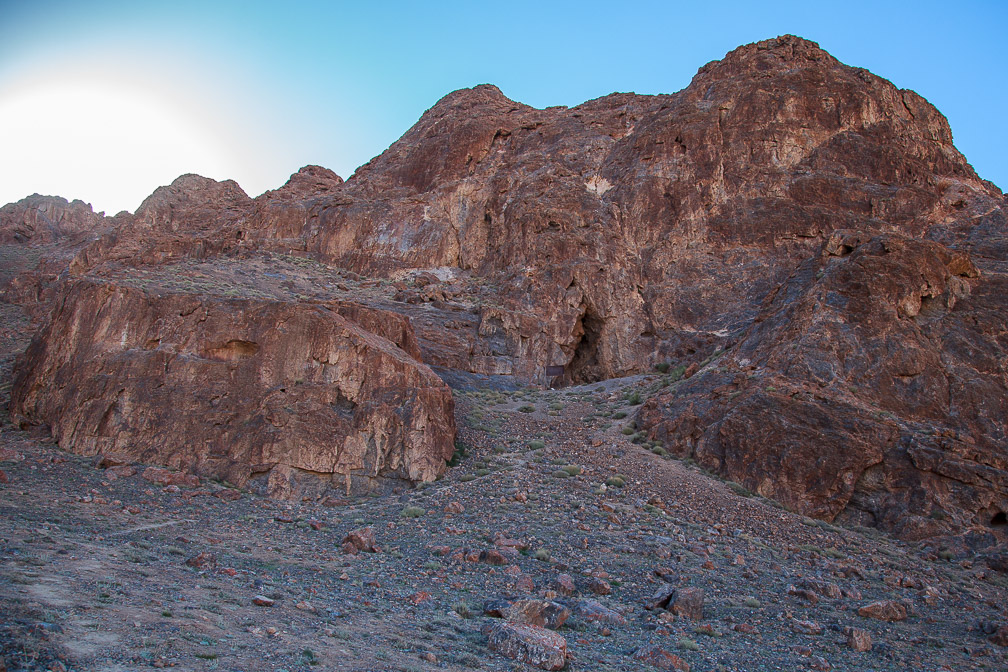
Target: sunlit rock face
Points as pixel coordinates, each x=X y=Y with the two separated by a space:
x=287 y=397
x=800 y=236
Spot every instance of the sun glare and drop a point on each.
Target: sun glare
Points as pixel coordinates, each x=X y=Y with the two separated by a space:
x=107 y=144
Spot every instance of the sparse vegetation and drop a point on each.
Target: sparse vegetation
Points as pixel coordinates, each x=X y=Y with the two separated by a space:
x=412 y=512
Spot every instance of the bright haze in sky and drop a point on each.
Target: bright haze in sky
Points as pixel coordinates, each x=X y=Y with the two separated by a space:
x=107 y=100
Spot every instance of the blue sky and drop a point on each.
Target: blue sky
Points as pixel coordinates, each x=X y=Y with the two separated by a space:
x=107 y=100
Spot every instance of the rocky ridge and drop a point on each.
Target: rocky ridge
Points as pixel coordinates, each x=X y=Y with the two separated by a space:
x=801 y=235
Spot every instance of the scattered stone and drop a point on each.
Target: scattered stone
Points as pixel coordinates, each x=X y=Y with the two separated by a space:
x=593 y=611
x=661 y=597
x=454 y=507
x=804 y=594
x=418 y=597
x=263 y=601
x=529 y=644
x=599 y=586
x=884 y=610
x=10 y=455
x=858 y=639
x=544 y=613
x=305 y=605
x=497 y=608
x=120 y=471
x=1000 y=636
x=806 y=627
x=227 y=495
x=166 y=477
x=361 y=539
x=564 y=584
x=689 y=603
x=4 y=479
x=819 y=663
x=203 y=560
x=661 y=659
x=492 y=557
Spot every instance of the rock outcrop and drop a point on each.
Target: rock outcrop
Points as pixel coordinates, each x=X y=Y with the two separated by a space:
x=871 y=387
x=635 y=229
x=800 y=234
x=47 y=219
x=291 y=397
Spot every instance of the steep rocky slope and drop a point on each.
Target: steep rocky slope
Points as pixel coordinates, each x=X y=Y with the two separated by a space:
x=799 y=237
x=290 y=393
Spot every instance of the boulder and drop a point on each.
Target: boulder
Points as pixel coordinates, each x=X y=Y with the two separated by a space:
x=277 y=395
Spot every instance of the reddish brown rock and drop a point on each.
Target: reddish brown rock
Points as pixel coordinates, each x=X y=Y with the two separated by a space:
x=543 y=613
x=203 y=560
x=799 y=238
x=884 y=610
x=593 y=611
x=658 y=657
x=529 y=644
x=361 y=539
x=167 y=477
x=688 y=603
x=274 y=395
x=47 y=219
x=878 y=322
x=859 y=640
x=564 y=584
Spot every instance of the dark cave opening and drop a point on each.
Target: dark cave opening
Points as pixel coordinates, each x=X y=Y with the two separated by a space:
x=998 y=519
x=584 y=366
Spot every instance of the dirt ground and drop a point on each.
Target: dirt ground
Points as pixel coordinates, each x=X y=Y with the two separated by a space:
x=103 y=570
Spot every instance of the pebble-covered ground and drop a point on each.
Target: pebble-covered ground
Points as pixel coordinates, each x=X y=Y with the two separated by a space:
x=554 y=496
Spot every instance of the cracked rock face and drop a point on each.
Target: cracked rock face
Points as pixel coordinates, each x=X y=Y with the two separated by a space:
x=801 y=237
x=287 y=397
x=871 y=388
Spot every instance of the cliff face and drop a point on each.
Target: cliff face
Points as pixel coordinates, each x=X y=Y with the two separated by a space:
x=235 y=389
x=634 y=229
x=800 y=234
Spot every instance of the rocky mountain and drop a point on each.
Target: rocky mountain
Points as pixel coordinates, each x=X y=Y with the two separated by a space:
x=796 y=242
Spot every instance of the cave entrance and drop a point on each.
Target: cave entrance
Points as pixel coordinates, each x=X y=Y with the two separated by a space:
x=999 y=520
x=584 y=366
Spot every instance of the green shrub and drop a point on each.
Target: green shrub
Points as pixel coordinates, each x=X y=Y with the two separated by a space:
x=663 y=367
x=616 y=481
x=412 y=512
x=536 y=445
x=572 y=469
x=459 y=455
x=527 y=408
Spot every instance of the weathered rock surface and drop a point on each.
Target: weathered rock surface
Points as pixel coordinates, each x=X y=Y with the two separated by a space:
x=46 y=219
x=871 y=387
x=233 y=389
x=633 y=229
x=806 y=224
x=529 y=644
